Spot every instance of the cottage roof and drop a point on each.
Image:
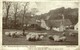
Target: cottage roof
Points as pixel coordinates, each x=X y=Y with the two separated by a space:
x=33 y=21
x=57 y=23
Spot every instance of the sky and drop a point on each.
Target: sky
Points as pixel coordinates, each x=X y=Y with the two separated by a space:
x=42 y=7
x=45 y=7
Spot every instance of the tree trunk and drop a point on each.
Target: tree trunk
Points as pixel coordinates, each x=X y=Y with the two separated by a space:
x=23 y=20
x=15 y=19
x=6 y=20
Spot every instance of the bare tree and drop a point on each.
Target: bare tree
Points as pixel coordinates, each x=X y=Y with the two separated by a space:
x=7 y=6
x=15 y=12
x=23 y=19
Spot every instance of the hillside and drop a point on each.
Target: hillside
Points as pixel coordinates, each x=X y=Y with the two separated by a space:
x=69 y=13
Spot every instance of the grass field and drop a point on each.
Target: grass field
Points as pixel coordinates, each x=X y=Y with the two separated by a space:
x=71 y=40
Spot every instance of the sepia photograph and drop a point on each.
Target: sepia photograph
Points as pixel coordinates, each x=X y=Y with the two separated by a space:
x=39 y=23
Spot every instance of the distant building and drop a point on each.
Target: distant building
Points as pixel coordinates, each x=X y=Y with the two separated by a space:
x=43 y=25
x=33 y=23
x=76 y=27
x=42 y=22
x=57 y=25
